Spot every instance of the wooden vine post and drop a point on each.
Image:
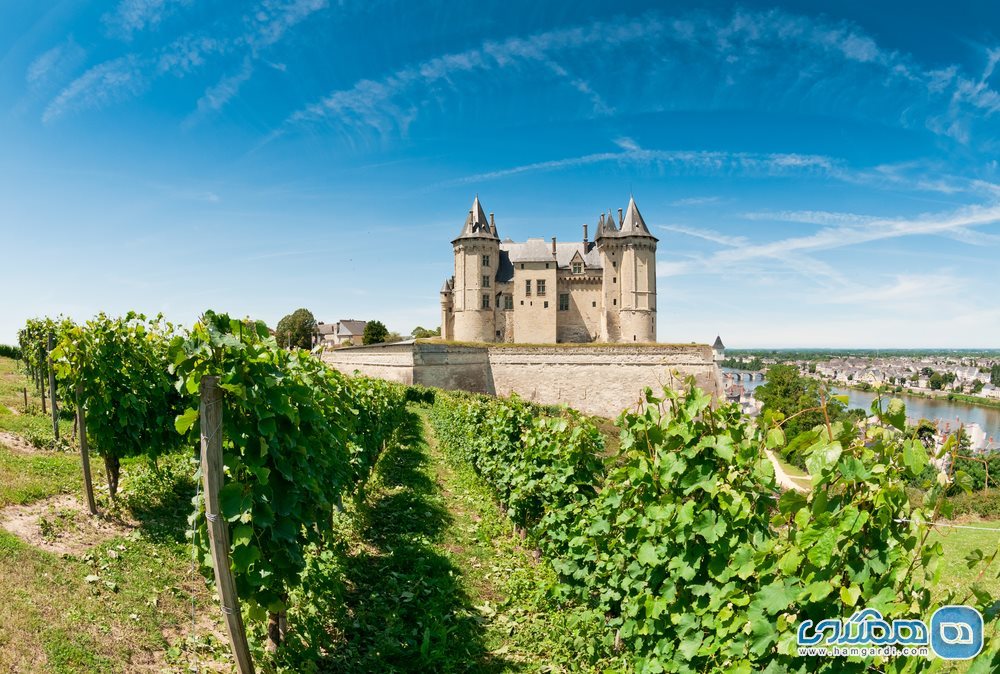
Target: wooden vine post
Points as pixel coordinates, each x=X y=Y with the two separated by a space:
x=210 y=414
x=81 y=424
x=40 y=377
x=52 y=389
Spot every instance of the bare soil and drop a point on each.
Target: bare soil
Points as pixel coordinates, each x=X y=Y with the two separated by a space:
x=60 y=525
x=17 y=444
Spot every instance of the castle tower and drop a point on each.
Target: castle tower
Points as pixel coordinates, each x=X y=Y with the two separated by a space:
x=718 y=350
x=631 y=251
x=477 y=256
x=610 y=250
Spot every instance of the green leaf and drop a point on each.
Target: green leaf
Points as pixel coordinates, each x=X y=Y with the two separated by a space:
x=185 y=421
x=895 y=414
x=244 y=556
x=775 y=597
x=231 y=500
x=822 y=551
x=964 y=481
x=915 y=456
x=850 y=595
x=647 y=555
x=790 y=502
x=242 y=535
x=775 y=438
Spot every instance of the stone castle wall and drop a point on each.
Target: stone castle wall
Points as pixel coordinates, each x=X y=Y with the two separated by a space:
x=595 y=379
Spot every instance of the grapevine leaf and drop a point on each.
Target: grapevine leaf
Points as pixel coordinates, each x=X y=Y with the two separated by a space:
x=185 y=421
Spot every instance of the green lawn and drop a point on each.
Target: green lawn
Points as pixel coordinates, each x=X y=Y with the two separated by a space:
x=126 y=603
x=958 y=543
x=30 y=423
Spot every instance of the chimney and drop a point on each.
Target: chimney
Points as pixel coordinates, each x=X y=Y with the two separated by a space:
x=621 y=220
x=492 y=224
x=585 y=234
x=553 y=246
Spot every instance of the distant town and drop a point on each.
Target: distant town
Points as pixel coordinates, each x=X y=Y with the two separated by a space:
x=954 y=383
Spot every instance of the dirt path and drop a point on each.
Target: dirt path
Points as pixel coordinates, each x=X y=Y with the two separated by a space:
x=785 y=480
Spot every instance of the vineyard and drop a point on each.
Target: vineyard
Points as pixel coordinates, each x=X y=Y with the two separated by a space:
x=350 y=524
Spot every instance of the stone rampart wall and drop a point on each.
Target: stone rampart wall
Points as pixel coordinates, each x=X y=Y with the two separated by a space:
x=595 y=379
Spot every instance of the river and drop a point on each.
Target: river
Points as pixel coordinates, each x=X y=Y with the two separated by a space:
x=935 y=409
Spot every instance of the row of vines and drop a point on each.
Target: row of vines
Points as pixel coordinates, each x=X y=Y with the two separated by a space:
x=297 y=437
x=682 y=540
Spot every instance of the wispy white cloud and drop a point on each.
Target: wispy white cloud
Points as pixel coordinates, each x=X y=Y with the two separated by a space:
x=826 y=218
x=374 y=104
x=702 y=59
x=218 y=95
x=273 y=19
x=265 y=24
x=787 y=250
x=107 y=83
x=55 y=64
x=901 y=288
x=706 y=234
x=133 y=16
x=712 y=162
x=695 y=201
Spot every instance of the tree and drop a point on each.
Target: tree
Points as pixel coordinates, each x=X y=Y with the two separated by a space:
x=977 y=385
x=297 y=329
x=936 y=382
x=995 y=375
x=423 y=333
x=789 y=393
x=375 y=333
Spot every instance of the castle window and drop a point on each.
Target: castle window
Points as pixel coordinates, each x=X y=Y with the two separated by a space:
x=577 y=268
x=541 y=287
x=486 y=301
x=486 y=281
x=527 y=287
x=522 y=265
x=546 y=265
x=614 y=279
x=563 y=301
x=486 y=260
x=546 y=306
x=593 y=304
x=614 y=265
x=508 y=302
x=614 y=302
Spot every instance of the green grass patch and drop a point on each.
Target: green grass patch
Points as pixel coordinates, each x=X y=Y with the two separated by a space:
x=25 y=478
x=958 y=544
x=126 y=603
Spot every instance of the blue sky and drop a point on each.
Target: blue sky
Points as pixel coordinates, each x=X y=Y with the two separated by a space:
x=815 y=179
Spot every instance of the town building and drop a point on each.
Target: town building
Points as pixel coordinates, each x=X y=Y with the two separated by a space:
x=345 y=332
x=536 y=292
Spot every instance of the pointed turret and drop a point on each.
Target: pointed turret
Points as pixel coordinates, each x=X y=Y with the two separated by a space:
x=476 y=224
x=633 y=224
x=718 y=344
x=606 y=226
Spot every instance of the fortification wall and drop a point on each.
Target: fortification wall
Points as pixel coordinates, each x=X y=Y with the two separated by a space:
x=601 y=380
x=393 y=362
x=595 y=379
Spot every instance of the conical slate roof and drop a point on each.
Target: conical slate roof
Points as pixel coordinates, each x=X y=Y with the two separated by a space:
x=633 y=224
x=718 y=344
x=476 y=224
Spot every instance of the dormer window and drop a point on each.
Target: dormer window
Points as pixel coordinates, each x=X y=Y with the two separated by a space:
x=577 y=268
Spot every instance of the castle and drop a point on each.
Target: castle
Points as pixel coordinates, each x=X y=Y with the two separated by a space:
x=532 y=292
